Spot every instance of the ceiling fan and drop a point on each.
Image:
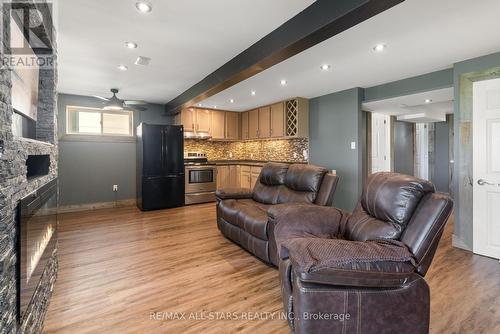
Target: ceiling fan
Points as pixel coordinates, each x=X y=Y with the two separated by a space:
x=116 y=104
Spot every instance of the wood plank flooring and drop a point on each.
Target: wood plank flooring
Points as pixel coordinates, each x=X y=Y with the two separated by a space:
x=118 y=266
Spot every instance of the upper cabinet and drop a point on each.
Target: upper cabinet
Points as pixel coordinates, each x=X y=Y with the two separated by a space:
x=253 y=124
x=218 y=124
x=244 y=125
x=203 y=120
x=278 y=120
x=232 y=125
x=264 y=122
x=287 y=119
x=188 y=119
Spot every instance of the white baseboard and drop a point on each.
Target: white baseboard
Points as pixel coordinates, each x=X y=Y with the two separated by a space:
x=96 y=206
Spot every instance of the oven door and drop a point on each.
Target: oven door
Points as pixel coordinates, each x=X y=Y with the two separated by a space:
x=200 y=179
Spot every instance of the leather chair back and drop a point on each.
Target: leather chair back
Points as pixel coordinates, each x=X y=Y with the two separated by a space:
x=401 y=207
x=425 y=228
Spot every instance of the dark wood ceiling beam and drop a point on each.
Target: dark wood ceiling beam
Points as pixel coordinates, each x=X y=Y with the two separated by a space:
x=315 y=24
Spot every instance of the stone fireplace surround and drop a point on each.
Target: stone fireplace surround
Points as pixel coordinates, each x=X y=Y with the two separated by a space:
x=14 y=185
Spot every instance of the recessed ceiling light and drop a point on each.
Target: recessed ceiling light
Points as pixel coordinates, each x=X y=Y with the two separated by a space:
x=428 y=100
x=122 y=67
x=283 y=82
x=253 y=93
x=231 y=101
x=326 y=67
x=131 y=45
x=215 y=107
x=199 y=104
x=143 y=6
x=379 y=47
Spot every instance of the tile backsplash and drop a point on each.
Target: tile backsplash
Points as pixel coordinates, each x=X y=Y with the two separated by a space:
x=286 y=150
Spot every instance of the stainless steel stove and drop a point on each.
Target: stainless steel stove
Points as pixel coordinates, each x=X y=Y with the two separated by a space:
x=201 y=178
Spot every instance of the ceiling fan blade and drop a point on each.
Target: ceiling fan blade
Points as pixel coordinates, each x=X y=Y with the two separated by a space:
x=135 y=102
x=101 y=98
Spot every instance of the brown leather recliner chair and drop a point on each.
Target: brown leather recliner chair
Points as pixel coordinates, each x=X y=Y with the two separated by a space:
x=242 y=214
x=362 y=272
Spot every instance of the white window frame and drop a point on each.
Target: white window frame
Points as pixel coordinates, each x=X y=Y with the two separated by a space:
x=71 y=109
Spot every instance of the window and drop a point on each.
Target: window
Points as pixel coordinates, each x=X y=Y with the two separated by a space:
x=98 y=122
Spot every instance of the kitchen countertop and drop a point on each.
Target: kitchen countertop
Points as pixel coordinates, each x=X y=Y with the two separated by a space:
x=255 y=163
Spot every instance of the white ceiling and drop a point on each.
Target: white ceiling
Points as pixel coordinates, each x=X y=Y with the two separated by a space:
x=422 y=36
x=186 y=39
x=442 y=102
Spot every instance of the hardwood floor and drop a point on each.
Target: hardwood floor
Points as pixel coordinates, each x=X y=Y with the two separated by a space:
x=119 y=266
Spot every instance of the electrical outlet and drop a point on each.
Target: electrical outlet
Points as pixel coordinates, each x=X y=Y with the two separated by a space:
x=295 y=155
x=305 y=154
x=251 y=155
x=230 y=154
x=115 y=188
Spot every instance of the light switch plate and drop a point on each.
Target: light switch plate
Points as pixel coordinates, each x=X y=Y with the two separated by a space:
x=353 y=145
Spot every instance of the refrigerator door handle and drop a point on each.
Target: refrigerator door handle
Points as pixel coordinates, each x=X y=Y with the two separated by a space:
x=163 y=149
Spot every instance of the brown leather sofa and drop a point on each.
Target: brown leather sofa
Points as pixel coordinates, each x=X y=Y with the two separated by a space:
x=242 y=214
x=362 y=272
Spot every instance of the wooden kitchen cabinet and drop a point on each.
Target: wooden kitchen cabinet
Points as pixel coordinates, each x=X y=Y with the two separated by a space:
x=264 y=122
x=232 y=125
x=188 y=119
x=244 y=125
x=278 y=120
x=245 y=177
x=203 y=120
x=254 y=175
x=222 y=176
x=234 y=176
x=253 y=124
x=218 y=124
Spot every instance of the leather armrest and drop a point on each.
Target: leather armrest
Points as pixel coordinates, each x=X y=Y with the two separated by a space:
x=233 y=193
x=303 y=220
x=363 y=279
x=350 y=263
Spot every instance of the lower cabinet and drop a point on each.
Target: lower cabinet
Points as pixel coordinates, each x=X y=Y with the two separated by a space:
x=237 y=176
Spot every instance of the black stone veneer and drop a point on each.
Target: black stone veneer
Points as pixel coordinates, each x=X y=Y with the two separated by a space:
x=14 y=185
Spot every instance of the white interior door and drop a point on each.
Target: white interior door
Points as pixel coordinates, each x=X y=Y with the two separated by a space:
x=422 y=151
x=381 y=146
x=486 y=146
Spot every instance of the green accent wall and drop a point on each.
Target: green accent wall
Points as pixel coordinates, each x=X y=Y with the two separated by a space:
x=336 y=120
x=89 y=169
x=414 y=85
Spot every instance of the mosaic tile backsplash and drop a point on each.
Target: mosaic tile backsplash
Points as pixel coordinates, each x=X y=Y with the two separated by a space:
x=285 y=150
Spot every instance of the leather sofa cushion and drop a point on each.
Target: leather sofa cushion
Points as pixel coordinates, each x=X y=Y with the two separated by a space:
x=287 y=195
x=253 y=220
x=273 y=174
x=304 y=177
x=393 y=197
x=266 y=194
x=270 y=182
x=245 y=214
x=361 y=226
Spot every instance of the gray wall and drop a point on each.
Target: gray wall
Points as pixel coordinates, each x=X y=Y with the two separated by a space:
x=89 y=169
x=414 y=85
x=404 y=142
x=335 y=120
x=441 y=168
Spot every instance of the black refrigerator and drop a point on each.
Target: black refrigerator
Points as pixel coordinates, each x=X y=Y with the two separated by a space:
x=160 y=166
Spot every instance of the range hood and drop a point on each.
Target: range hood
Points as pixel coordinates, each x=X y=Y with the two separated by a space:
x=197 y=135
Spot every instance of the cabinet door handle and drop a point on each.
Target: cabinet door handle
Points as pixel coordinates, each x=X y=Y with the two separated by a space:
x=193 y=126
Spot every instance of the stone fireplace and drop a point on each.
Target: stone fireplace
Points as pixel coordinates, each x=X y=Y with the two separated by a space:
x=19 y=178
